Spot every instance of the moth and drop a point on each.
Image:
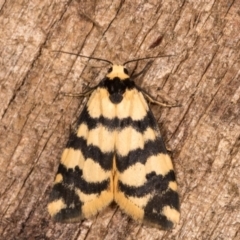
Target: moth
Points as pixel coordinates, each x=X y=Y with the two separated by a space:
x=116 y=153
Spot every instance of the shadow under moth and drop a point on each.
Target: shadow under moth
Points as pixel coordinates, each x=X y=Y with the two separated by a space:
x=116 y=153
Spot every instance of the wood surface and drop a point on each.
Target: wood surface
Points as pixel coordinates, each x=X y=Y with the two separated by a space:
x=203 y=135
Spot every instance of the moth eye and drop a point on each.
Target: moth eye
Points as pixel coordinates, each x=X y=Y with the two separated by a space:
x=125 y=70
x=110 y=70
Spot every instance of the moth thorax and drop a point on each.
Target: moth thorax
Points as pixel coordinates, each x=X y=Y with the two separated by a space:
x=117 y=81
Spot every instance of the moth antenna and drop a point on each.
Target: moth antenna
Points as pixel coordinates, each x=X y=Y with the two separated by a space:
x=79 y=55
x=138 y=59
x=148 y=65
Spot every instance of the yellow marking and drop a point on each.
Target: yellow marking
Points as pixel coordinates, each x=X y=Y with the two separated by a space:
x=94 y=104
x=99 y=136
x=133 y=105
x=96 y=205
x=99 y=104
x=128 y=139
x=72 y=158
x=139 y=106
x=102 y=138
x=128 y=206
x=117 y=71
x=108 y=109
x=91 y=208
x=123 y=109
x=160 y=163
x=114 y=168
x=56 y=206
x=134 y=175
x=58 y=178
x=173 y=185
x=171 y=214
x=140 y=201
x=85 y=197
x=82 y=131
x=149 y=134
x=93 y=172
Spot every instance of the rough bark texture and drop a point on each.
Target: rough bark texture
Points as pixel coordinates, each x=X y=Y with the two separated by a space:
x=203 y=135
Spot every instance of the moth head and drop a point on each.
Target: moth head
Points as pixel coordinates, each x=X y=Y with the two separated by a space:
x=117 y=71
x=117 y=82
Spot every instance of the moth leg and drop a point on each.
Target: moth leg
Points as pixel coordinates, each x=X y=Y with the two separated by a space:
x=83 y=94
x=154 y=101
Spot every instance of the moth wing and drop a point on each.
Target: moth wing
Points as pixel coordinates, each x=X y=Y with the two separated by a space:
x=144 y=183
x=84 y=183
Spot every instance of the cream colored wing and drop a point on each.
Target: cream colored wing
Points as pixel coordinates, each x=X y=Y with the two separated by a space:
x=144 y=183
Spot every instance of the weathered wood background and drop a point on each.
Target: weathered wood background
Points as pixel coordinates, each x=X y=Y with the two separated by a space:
x=203 y=135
